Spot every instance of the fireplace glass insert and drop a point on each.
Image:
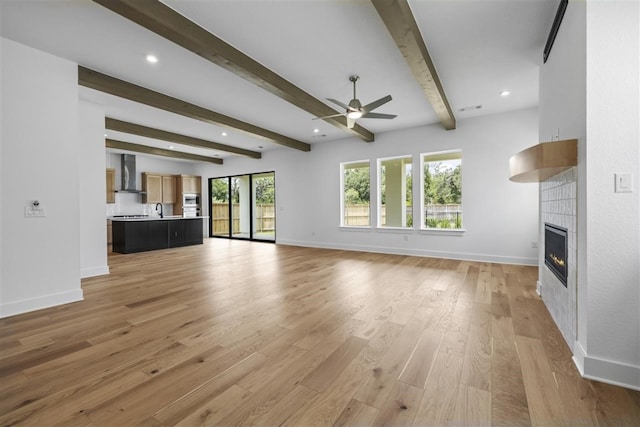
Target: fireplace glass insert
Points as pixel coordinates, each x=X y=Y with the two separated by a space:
x=555 y=251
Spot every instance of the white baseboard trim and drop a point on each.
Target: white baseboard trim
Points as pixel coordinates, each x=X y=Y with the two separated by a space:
x=539 y=288
x=32 y=304
x=94 y=271
x=414 y=252
x=606 y=371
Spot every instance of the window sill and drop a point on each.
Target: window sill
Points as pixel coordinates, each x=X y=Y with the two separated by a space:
x=395 y=230
x=443 y=231
x=359 y=228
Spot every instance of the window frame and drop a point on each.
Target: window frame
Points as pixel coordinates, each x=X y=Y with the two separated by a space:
x=342 y=194
x=379 y=193
x=433 y=230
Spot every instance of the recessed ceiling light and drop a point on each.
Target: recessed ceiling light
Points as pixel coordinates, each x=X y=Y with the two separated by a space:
x=505 y=93
x=105 y=135
x=224 y=134
x=152 y=58
x=316 y=130
x=171 y=147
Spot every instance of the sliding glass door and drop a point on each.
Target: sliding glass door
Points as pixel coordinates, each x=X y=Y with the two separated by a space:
x=219 y=207
x=264 y=206
x=243 y=207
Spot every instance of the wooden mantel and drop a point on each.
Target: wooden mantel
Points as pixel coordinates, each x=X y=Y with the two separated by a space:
x=542 y=161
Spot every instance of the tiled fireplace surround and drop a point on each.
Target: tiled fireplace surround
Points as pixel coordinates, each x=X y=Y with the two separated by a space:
x=558 y=207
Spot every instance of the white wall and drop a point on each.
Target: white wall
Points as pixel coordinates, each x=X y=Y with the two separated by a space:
x=611 y=343
x=563 y=116
x=40 y=256
x=590 y=89
x=93 y=236
x=500 y=217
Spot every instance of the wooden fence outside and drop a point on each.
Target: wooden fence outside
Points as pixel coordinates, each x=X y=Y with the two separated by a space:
x=359 y=214
x=356 y=215
x=265 y=216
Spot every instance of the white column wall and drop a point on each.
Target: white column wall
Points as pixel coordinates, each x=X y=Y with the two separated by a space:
x=93 y=235
x=40 y=157
x=611 y=341
x=590 y=90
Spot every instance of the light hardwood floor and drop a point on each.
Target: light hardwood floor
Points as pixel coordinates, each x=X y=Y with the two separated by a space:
x=240 y=333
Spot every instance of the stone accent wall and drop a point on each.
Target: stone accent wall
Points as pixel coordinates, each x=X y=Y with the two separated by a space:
x=558 y=206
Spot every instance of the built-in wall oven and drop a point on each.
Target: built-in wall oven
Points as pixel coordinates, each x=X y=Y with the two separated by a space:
x=190 y=205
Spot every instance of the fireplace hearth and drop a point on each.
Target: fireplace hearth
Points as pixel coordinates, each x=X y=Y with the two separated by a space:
x=555 y=251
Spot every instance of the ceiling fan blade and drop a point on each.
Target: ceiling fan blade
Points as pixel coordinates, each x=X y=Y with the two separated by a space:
x=378 y=116
x=328 y=117
x=350 y=122
x=335 y=101
x=375 y=104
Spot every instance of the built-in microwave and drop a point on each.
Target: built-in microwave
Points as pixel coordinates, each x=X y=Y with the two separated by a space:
x=190 y=200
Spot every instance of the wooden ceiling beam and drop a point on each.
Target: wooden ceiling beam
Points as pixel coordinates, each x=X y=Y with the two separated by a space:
x=402 y=26
x=135 y=129
x=108 y=84
x=138 y=148
x=166 y=22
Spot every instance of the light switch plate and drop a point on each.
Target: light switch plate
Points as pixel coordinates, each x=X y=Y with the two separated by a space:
x=624 y=182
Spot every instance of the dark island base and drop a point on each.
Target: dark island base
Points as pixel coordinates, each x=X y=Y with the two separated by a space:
x=149 y=235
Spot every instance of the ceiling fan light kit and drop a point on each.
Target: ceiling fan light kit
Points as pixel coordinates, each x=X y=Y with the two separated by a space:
x=354 y=110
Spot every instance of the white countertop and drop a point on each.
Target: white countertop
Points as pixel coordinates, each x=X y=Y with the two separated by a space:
x=157 y=218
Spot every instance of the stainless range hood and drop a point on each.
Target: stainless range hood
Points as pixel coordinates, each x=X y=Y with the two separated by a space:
x=129 y=174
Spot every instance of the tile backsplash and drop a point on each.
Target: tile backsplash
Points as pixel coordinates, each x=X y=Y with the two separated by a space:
x=131 y=204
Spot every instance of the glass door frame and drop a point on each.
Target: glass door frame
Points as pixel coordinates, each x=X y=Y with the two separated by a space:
x=230 y=212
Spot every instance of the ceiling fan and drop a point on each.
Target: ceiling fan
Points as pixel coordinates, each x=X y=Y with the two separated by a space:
x=355 y=110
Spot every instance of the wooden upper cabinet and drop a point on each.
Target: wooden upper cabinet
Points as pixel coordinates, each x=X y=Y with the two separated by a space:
x=168 y=189
x=152 y=185
x=159 y=188
x=111 y=185
x=190 y=184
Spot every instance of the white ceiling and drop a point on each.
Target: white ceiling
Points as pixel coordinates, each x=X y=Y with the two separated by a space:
x=479 y=48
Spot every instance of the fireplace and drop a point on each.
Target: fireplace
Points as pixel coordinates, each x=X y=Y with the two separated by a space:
x=555 y=251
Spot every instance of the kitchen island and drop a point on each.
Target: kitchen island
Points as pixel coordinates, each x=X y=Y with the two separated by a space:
x=148 y=234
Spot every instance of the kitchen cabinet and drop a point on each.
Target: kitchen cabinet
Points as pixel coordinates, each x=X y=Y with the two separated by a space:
x=109 y=236
x=111 y=185
x=185 y=233
x=146 y=235
x=189 y=184
x=159 y=188
x=168 y=189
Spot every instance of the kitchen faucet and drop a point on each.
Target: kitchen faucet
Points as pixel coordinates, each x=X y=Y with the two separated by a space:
x=159 y=205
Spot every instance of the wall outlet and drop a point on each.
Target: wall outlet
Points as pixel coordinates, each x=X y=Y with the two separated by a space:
x=534 y=245
x=406 y=238
x=31 y=212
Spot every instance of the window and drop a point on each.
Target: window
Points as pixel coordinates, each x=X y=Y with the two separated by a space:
x=442 y=190
x=395 y=196
x=355 y=194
